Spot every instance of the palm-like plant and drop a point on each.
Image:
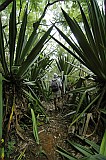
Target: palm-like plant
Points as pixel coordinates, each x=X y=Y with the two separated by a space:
x=17 y=55
x=91 y=42
x=41 y=66
x=21 y=55
x=38 y=72
x=65 y=68
x=90 y=48
x=63 y=65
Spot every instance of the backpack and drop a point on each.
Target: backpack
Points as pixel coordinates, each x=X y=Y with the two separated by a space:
x=54 y=85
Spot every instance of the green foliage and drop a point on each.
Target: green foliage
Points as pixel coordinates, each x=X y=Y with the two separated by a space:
x=91 y=42
x=84 y=111
x=10 y=148
x=1 y=115
x=89 y=150
x=36 y=103
x=35 y=130
x=21 y=55
x=64 y=65
x=40 y=68
x=18 y=55
x=75 y=11
x=44 y=89
x=103 y=145
x=88 y=46
x=64 y=153
x=1 y=107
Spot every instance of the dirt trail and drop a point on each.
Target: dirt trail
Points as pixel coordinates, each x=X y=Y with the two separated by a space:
x=53 y=134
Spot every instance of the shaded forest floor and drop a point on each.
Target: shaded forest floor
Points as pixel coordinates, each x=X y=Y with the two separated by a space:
x=53 y=131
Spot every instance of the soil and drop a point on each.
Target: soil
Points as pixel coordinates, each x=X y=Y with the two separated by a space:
x=52 y=131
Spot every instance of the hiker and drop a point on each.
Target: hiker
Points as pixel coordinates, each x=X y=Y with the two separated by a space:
x=56 y=87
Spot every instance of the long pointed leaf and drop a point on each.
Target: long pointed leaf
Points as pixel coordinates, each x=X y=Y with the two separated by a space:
x=85 y=110
x=94 y=157
x=28 y=46
x=87 y=29
x=12 y=33
x=35 y=129
x=33 y=97
x=103 y=145
x=91 y=143
x=82 y=149
x=34 y=54
x=1 y=117
x=2 y=51
x=91 y=43
x=68 y=50
x=97 y=24
x=78 y=33
x=21 y=38
x=65 y=153
x=1 y=108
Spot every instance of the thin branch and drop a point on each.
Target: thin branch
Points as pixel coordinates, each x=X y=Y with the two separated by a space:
x=5 y=4
x=44 y=12
x=55 y=2
x=48 y=4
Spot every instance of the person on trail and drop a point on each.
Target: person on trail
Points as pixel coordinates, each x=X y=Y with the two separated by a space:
x=56 y=87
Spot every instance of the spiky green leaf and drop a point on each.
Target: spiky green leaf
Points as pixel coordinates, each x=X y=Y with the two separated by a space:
x=2 y=51
x=21 y=38
x=103 y=145
x=12 y=33
x=32 y=57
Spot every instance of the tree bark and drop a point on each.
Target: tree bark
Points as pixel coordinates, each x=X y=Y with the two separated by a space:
x=5 y=4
